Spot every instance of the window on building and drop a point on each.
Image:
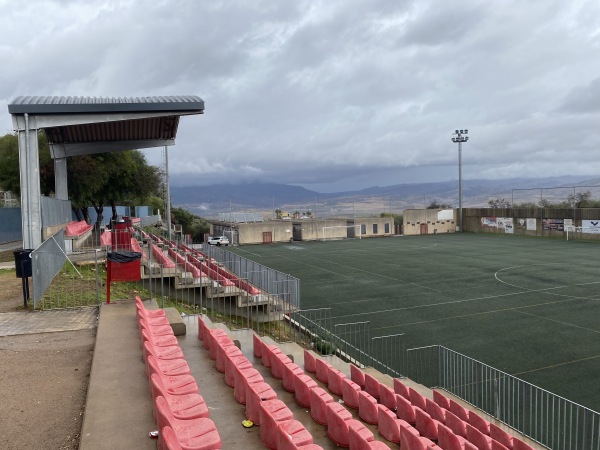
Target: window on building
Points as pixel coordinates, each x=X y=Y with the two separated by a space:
x=363 y=229
x=386 y=228
x=374 y=228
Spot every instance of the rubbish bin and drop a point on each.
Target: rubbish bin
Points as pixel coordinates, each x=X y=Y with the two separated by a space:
x=23 y=262
x=123 y=266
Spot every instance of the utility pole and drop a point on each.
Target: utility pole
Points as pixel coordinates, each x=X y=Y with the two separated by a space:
x=459 y=139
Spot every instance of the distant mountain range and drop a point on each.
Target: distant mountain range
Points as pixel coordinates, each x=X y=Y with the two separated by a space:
x=209 y=201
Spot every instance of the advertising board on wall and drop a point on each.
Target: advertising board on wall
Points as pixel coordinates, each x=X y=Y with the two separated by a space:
x=590 y=226
x=488 y=222
x=553 y=224
x=508 y=225
x=445 y=214
x=531 y=224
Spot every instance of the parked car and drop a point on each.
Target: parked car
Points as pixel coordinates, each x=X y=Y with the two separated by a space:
x=218 y=241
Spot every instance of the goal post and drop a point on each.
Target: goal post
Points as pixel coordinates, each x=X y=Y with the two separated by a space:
x=340 y=232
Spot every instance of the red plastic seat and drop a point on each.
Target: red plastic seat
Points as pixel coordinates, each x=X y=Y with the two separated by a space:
x=169 y=366
x=302 y=385
x=268 y=352
x=278 y=360
x=237 y=364
x=498 y=446
x=310 y=363
x=322 y=370
x=243 y=378
x=361 y=438
x=167 y=439
x=357 y=376
x=389 y=426
x=292 y=435
x=210 y=335
x=257 y=345
x=416 y=399
x=255 y=394
x=162 y=353
x=218 y=341
x=405 y=410
x=184 y=407
x=401 y=389
x=479 y=422
x=174 y=384
x=271 y=412
x=289 y=372
x=387 y=397
x=159 y=341
x=155 y=328
x=425 y=425
x=411 y=441
x=372 y=386
x=197 y=434
x=450 y=441
x=202 y=327
x=456 y=424
x=501 y=436
x=334 y=380
x=222 y=353
x=435 y=411
x=368 y=409
x=319 y=398
x=459 y=411
x=350 y=392
x=338 y=423
x=441 y=400
x=476 y=437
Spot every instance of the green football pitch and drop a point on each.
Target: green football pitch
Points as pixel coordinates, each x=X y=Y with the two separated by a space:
x=527 y=306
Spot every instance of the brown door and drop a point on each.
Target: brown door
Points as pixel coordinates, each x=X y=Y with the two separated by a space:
x=423 y=228
x=267 y=237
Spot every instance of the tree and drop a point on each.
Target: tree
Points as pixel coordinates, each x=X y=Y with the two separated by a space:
x=398 y=218
x=580 y=199
x=190 y=223
x=496 y=203
x=278 y=213
x=435 y=205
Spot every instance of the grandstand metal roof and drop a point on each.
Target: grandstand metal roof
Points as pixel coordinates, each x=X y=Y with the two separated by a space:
x=84 y=125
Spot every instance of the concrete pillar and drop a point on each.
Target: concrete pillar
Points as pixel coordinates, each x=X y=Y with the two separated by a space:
x=60 y=179
x=29 y=166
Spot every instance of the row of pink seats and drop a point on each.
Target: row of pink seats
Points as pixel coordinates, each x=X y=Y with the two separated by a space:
x=278 y=428
x=471 y=426
x=180 y=411
x=341 y=427
x=77 y=228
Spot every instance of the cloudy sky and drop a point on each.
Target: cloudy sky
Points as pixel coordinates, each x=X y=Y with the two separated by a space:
x=331 y=94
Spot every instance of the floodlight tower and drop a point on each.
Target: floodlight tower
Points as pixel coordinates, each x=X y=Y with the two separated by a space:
x=460 y=138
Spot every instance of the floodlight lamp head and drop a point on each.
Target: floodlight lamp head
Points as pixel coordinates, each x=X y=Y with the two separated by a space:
x=466 y=131
x=462 y=131
x=466 y=139
x=456 y=132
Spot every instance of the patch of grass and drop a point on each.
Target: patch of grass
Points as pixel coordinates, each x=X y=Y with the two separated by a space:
x=6 y=256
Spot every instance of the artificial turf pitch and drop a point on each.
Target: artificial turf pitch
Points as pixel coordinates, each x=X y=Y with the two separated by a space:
x=527 y=306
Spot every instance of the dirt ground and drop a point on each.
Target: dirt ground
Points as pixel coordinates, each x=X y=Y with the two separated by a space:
x=44 y=380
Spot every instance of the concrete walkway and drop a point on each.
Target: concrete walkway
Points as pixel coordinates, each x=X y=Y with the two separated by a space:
x=32 y=322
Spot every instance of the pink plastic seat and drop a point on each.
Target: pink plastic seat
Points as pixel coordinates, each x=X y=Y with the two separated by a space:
x=170 y=366
x=476 y=437
x=350 y=392
x=387 y=397
x=435 y=411
x=237 y=364
x=175 y=385
x=361 y=438
x=159 y=341
x=441 y=400
x=425 y=425
x=290 y=371
x=292 y=435
x=405 y=410
x=256 y=345
x=271 y=412
x=401 y=389
x=322 y=370
x=302 y=385
x=310 y=363
x=459 y=411
x=389 y=425
x=156 y=329
x=334 y=380
x=209 y=336
x=498 y=446
x=457 y=425
x=197 y=434
x=338 y=423
x=167 y=439
x=184 y=407
x=255 y=394
x=222 y=356
x=243 y=378
x=501 y=436
x=162 y=353
x=479 y=422
x=416 y=399
x=218 y=342
x=319 y=398
x=278 y=360
x=372 y=386
x=268 y=352
x=450 y=441
x=357 y=376
x=368 y=409
x=202 y=327
x=410 y=441
x=520 y=445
